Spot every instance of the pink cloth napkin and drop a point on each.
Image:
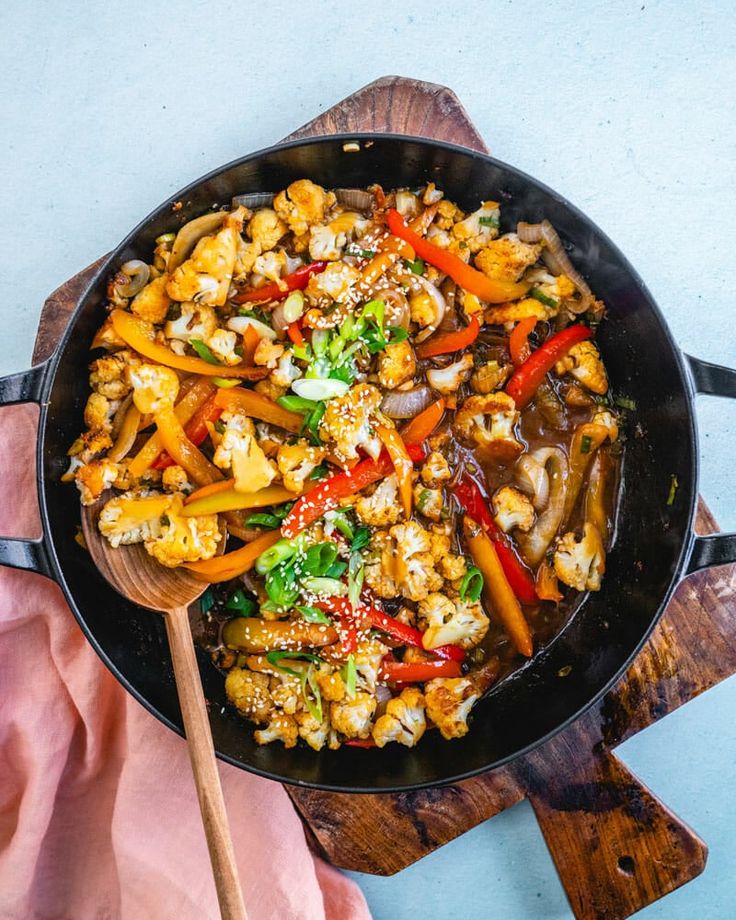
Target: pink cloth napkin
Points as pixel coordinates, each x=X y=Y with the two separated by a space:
x=98 y=813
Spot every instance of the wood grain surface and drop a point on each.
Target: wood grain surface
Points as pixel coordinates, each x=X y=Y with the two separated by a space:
x=617 y=847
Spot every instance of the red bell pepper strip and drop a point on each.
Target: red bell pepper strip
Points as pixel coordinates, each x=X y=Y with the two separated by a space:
x=421 y=426
x=360 y=743
x=526 y=379
x=470 y=279
x=195 y=429
x=469 y=495
x=293 y=330
x=296 y=281
x=327 y=495
x=519 y=340
x=417 y=672
x=442 y=343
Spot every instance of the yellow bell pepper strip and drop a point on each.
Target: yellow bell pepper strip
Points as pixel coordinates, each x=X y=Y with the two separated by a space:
x=525 y=380
x=230 y=500
x=468 y=278
x=126 y=436
x=585 y=442
x=230 y=565
x=135 y=332
x=442 y=343
x=196 y=395
x=421 y=426
x=178 y=446
x=196 y=429
x=496 y=587
x=253 y=635
x=252 y=404
x=402 y=464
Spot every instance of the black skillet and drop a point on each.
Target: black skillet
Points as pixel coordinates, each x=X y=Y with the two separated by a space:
x=655 y=545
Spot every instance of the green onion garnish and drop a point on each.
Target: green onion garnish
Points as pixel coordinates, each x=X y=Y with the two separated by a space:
x=281 y=586
x=281 y=551
x=276 y=657
x=424 y=496
x=225 y=383
x=543 y=298
x=319 y=472
x=330 y=587
x=297 y=404
x=585 y=443
x=319 y=558
x=472 y=584
x=361 y=538
x=623 y=402
x=262 y=519
x=489 y=221
x=203 y=351
x=674 y=486
x=356 y=573
x=416 y=267
x=336 y=570
x=314 y=615
x=350 y=676
x=313 y=703
x=243 y=605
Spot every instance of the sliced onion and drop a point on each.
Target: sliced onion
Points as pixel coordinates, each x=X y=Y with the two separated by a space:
x=240 y=323
x=450 y=321
x=319 y=388
x=253 y=200
x=137 y=273
x=357 y=198
x=440 y=307
x=397 y=313
x=532 y=478
x=407 y=403
x=190 y=234
x=534 y=544
x=278 y=320
x=556 y=259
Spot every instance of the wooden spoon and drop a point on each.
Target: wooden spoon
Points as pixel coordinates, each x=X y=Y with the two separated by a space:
x=139 y=578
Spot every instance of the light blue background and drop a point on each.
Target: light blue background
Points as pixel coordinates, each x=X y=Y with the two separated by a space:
x=627 y=108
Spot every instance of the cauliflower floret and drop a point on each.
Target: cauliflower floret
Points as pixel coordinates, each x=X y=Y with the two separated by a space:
x=581 y=563
x=93 y=478
x=435 y=470
x=414 y=562
x=490 y=377
x=489 y=422
x=518 y=310
x=266 y=228
x=583 y=362
x=453 y=567
x=403 y=720
x=507 y=258
x=334 y=283
x=248 y=691
x=352 y=717
x=511 y=509
x=423 y=309
x=302 y=204
x=268 y=353
x=448 y=379
x=430 y=502
x=440 y=541
x=281 y=727
x=131 y=518
x=347 y=422
x=270 y=265
x=448 y=702
x=411 y=538
x=152 y=303
x=107 y=374
x=296 y=462
x=331 y=685
x=206 y=275
x=396 y=364
x=240 y=452
x=286 y=692
x=174 y=479
x=314 y=733
x=222 y=344
x=285 y=372
x=196 y=321
x=326 y=243
x=480 y=227
x=184 y=539
x=98 y=411
x=559 y=288
x=154 y=387
x=608 y=420
x=447 y=622
x=382 y=506
x=245 y=259
x=368 y=656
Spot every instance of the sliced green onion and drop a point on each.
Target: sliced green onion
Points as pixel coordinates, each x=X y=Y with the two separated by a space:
x=319 y=472
x=472 y=584
x=374 y=309
x=313 y=703
x=293 y=306
x=416 y=267
x=280 y=511
x=350 y=676
x=361 y=538
x=302 y=352
x=336 y=570
x=225 y=382
x=263 y=519
x=297 y=404
x=329 y=587
x=206 y=600
x=319 y=558
x=281 y=586
x=320 y=342
x=243 y=605
x=280 y=552
x=489 y=221
x=314 y=615
x=203 y=351
x=356 y=573
x=543 y=298
x=585 y=443
x=276 y=657
x=318 y=389
x=259 y=316
x=623 y=402
x=674 y=486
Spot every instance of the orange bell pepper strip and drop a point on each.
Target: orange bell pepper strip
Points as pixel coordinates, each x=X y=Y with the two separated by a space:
x=230 y=500
x=585 y=442
x=195 y=429
x=397 y=245
x=250 y=344
x=468 y=278
x=212 y=489
x=526 y=379
x=136 y=333
x=252 y=404
x=519 y=340
x=223 y=568
x=294 y=331
x=500 y=597
x=178 y=446
x=548 y=587
x=402 y=464
x=421 y=426
x=442 y=343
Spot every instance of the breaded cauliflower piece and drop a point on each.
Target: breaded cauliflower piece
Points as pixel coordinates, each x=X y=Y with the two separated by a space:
x=326 y=243
x=448 y=701
x=266 y=228
x=196 y=321
x=268 y=353
x=423 y=309
x=107 y=374
x=479 y=228
x=435 y=470
x=608 y=420
x=174 y=479
x=314 y=733
x=286 y=692
x=490 y=377
x=581 y=563
x=429 y=502
x=488 y=422
x=99 y=411
x=511 y=508
x=333 y=284
x=347 y=422
x=302 y=204
x=518 y=310
x=453 y=566
x=271 y=266
x=447 y=380
x=396 y=364
x=152 y=303
x=583 y=362
x=132 y=518
x=382 y=507
x=154 y=387
x=507 y=257
x=206 y=275
x=285 y=372
x=281 y=727
x=403 y=720
x=94 y=477
x=352 y=717
x=248 y=691
x=297 y=461
x=222 y=343
x=239 y=452
x=331 y=685
x=447 y=622
x=368 y=656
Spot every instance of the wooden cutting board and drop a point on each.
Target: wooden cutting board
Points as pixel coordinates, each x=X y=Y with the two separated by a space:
x=616 y=846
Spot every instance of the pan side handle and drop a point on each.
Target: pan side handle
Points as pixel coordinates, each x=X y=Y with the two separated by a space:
x=32 y=555
x=711 y=380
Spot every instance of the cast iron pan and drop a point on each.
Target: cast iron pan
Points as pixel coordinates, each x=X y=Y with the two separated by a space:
x=655 y=546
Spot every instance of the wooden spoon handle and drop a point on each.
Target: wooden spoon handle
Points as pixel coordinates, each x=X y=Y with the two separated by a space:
x=204 y=764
